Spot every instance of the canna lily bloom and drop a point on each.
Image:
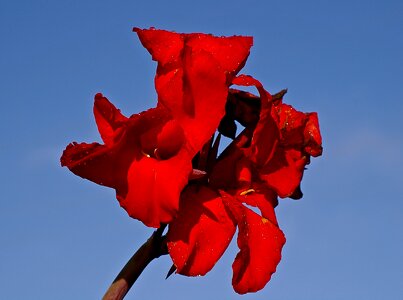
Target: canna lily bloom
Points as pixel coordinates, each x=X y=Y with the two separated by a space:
x=137 y=159
x=154 y=159
x=278 y=147
x=299 y=140
x=147 y=158
x=248 y=172
x=209 y=215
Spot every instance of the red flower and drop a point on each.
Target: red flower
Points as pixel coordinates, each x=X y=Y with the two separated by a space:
x=147 y=157
x=138 y=159
x=251 y=172
x=278 y=149
x=299 y=139
x=150 y=157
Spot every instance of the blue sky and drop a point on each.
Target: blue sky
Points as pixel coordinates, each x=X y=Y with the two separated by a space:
x=62 y=237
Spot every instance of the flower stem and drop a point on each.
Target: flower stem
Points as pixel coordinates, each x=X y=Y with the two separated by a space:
x=154 y=247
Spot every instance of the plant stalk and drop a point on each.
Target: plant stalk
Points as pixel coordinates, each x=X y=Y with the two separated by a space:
x=153 y=248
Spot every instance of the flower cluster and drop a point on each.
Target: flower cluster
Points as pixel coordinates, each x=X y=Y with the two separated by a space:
x=164 y=162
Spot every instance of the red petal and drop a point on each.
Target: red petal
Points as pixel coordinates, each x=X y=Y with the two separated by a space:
x=94 y=162
x=147 y=188
x=246 y=80
x=195 y=95
x=312 y=137
x=230 y=52
x=108 y=118
x=205 y=93
x=154 y=187
x=291 y=124
x=107 y=164
x=162 y=140
x=266 y=134
x=300 y=137
x=191 y=78
x=299 y=130
x=284 y=171
x=264 y=201
x=260 y=243
x=164 y=46
x=199 y=235
x=170 y=140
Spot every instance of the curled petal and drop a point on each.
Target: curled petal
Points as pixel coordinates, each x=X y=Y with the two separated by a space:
x=299 y=138
x=312 y=137
x=247 y=80
x=200 y=233
x=108 y=118
x=291 y=123
x=299 y=130
x=104 y=164
x=266 y=134
x=260 y=243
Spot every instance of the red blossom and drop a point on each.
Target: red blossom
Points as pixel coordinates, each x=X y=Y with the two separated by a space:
x=299 y=139
x=250 y=171
x=138 y=159
x=147 y=157
x=164 y=166
x=278 y=148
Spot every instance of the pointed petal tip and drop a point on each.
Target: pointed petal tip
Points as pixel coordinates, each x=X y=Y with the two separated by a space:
x=171 y=271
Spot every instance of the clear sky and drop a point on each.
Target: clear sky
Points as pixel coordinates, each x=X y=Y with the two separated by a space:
x=62 y=237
